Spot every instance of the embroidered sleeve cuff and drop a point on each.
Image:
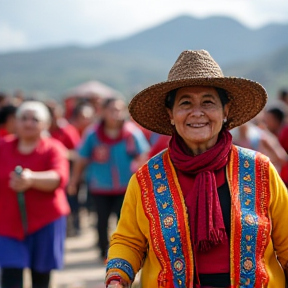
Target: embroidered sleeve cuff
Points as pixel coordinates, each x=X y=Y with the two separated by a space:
x=121 y=267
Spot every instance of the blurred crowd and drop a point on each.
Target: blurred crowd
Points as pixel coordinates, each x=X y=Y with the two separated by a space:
x=102 y=147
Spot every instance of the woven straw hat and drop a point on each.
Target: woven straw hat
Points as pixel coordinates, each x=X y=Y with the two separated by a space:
x=197 y=68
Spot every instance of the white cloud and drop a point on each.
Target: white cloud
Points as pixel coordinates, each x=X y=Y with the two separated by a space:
x=12 y=39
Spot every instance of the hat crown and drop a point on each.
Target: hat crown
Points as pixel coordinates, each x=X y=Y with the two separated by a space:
x=195 y=64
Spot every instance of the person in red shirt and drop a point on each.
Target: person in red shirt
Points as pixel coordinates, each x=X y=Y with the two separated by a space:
x=283 y=137
x=33 y=204
x=275 y=122
x=83 y=117
x=61 y=129
x=69 y=136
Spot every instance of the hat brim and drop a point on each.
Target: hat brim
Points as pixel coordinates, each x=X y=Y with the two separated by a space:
x=247 y=99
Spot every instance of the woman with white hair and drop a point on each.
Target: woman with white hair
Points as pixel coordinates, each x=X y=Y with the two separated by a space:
x=33 y=205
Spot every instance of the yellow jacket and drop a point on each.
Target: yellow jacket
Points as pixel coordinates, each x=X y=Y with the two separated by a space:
x=259 y=234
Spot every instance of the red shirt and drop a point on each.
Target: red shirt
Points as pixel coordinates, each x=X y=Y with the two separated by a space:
x=283 y=138
x=284 y=173
x=42 y=208
x=3 y=132
x=67 y=134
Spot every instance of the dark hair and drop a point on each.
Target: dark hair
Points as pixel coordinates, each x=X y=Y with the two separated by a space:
x=6 y=112
x=79 y=108
x=223 y=96
x=277 y=113
x=170 y=98
x=283 y=94
x=107 y=101
x=3 y=96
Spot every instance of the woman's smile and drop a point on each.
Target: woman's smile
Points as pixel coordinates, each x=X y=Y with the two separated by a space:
x=197 y=125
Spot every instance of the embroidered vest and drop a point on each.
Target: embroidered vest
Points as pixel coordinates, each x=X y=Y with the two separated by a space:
x=248 y=178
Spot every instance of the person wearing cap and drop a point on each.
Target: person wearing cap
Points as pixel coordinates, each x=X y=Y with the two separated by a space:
x=34 y=172
x=202 y=213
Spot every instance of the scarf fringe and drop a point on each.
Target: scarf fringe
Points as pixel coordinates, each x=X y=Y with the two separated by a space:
x=216 y=237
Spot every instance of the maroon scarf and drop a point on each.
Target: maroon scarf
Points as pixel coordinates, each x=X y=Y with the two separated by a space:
x=206 y=220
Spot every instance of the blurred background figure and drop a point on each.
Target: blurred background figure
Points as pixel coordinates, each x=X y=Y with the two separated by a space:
x=4 y=98
x=33 y=204
x=69 y=136
x=83 y=116
x=283 y=96
x=274 y=120
x=7 y=120
x=106 y=153
x=18 y=97
x=61 y=129
x=253 y=137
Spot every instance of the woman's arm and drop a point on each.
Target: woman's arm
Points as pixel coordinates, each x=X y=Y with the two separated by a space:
x=55 y=175
x=78 y=167
x=46 y=181
x=128 y=244
x=84 y=154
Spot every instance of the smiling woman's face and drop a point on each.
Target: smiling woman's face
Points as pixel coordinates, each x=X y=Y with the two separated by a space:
x=198 y=116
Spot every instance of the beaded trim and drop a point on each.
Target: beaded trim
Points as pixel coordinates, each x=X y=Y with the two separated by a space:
x=250 y=220
x=121 y=264
x=169 y=228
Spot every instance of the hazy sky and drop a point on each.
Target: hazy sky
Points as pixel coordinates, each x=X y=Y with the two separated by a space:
x=26 y=24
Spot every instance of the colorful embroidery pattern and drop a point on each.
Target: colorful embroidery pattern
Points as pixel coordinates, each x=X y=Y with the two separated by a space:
x=250 y=216
x=248 y=176
x=123 y=265
x=263 y=200
x=182 y=214
x=169 y=235
x=149 y=205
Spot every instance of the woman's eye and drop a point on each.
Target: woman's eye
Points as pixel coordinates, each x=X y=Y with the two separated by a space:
x=185 y=103
x=208 y=102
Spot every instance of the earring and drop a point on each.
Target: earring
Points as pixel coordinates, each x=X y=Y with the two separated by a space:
x=225 y=120
x=172 y=122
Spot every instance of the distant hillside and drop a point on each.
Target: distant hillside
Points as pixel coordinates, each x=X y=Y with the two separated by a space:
x=134 y=62
x=271 y=71
x=226 y=39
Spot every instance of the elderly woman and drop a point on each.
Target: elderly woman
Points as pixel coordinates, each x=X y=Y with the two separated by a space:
x=33 y=205
x=203 y=213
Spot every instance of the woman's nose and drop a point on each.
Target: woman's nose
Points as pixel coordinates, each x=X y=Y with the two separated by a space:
x=196 y=112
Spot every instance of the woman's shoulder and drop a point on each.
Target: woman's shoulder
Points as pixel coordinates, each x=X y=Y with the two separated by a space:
x=249 y=154
x=7 y=141
x=155 y=160
x=48 y=144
